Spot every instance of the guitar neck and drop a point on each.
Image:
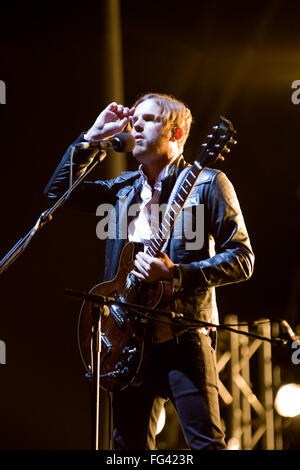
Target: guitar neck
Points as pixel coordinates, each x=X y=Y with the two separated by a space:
x=158 y=241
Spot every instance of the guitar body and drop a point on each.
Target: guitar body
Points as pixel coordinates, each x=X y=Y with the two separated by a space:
x=122 y=332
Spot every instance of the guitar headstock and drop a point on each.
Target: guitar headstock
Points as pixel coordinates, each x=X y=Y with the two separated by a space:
x=218 y=141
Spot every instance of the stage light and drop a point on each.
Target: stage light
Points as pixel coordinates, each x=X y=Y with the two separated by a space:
x=233 y=443
x=287 y=401
x=161 y=421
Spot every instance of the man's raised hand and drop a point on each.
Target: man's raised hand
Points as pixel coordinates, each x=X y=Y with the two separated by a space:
x=110 y=121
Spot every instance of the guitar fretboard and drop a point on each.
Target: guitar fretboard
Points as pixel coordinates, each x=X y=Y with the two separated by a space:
x=159 y=238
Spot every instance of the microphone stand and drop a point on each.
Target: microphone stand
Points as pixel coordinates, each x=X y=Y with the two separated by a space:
x=46 y=216
x=176 y=317
x=97 y=312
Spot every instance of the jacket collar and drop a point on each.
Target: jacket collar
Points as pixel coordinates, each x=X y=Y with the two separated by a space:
x=167 y=180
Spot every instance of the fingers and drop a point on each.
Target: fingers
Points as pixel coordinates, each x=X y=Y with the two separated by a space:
x=143 y=263
x=151 y=269
x=120 y=110
x=145 y=259
x=138 y=275
x=163 y=256
x=148 y=268
x=142 y=267
x=112 y=120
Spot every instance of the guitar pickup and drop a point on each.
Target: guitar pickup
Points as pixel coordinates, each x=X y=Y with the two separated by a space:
x=118 y=315
x=106 y=343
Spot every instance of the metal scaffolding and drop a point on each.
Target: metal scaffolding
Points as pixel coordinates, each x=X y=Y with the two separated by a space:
x=246 y=387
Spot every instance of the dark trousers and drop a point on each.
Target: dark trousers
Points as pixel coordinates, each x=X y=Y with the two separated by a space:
x=184 y=371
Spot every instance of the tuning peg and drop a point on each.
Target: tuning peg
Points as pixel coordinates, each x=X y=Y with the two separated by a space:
x=220 y=157
x=226 y=149
x=232 y=141
x=204 y=145
x=210 y=136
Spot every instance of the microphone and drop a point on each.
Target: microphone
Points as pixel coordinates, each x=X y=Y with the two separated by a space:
x=123 y=142
x=288 y=332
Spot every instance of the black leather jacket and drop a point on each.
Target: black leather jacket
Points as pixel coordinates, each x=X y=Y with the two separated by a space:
x=226 y=255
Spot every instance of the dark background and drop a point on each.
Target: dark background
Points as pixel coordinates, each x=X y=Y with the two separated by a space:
x=233 y=58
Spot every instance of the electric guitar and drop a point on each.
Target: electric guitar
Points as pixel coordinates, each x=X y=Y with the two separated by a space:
x=123 y=330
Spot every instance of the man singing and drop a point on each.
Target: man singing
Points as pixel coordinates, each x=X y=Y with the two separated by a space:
x=182 y=363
